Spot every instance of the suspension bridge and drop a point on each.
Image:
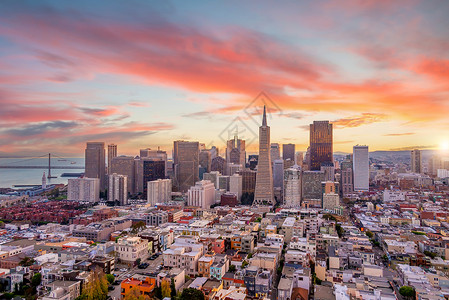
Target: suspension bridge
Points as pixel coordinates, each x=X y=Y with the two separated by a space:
x=19 y=164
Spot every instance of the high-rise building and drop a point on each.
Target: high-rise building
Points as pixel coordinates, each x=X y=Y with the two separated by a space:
x=329 y=171
x=223 y=182
x=112 y=152
x=415 y=161
x=125 y=165
x=153 y=169
x=312 y=193
x=186 y=164
x=320 y=144
x=205 y=162
x=331 y=201
x=235 y=151
x=292 y=187
x=288 y=152
x=159 y=191
x=212 y=177
x=275 y=152
x=218 y=164
x=83 y=189
x=235 y=185
x=248 y=181
x=231 y=168
x=214 y=152
x=360 y=168
x=299 y=158
x=253 y=161
x=202 y=194
x=157 y=155
x=95 y=164
x=434 y=165
x=264 y=179
x=347 y=185
x=117 y=189
x=278 y=173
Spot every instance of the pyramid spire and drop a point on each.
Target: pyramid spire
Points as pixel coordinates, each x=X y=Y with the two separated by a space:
x=264 y=119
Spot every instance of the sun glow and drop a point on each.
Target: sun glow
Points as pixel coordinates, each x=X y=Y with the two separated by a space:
x=444 y=146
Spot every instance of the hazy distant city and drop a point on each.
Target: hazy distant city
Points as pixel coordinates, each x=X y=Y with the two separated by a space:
x=224 y=150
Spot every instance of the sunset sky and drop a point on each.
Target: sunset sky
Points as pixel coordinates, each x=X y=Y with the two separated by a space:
x=145 y=73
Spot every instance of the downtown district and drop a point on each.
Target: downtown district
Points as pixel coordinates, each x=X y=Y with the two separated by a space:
x=310 y=225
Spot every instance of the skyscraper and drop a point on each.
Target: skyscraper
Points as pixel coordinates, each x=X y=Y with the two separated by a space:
x=278 y=173
x=205 y=162
x=275 y=152
x=235 y=185
x=292 y=187
x=320 y=144
x=347 y=185
x=361 y=168
x=112 y=152
x=186 y=164
x=415 y=161
x=125 y=165
x=312 y=194
x=117 y=189
x=264 y=178
x=95 y=165
x=218 y=164
x=288 y=152
x=159 y=191
x=235 y=151
x=248 y=181
x=155 y=154
x=153 y=169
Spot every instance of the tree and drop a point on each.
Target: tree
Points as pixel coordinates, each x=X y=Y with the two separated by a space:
x=165 y=288
x=36 y=279
x=138 y=227
x=340 y=230
x=244 y=264
x=192 y=294
x=369 y=234
x=26 y=262
x=173 y=289
x=110 y=278
x=232 y=268
x=138 y=261
x=407 y=291
x=135 y=294
x=97 y=288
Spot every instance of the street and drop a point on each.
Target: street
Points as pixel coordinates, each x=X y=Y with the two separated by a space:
x=120 y=276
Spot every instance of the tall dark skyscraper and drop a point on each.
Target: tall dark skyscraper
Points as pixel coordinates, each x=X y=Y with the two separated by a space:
x=153 y=169
x=321 y=149
x=186 y=164
x=263 y=194
x=288 y=152
x=95 y=164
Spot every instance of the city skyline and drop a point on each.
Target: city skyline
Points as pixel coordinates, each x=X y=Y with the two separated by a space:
x=150 y=76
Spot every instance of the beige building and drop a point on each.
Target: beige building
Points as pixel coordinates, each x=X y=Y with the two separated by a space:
x=159 y=191
x=125 y=165
x=129 y=249
x=83 y=189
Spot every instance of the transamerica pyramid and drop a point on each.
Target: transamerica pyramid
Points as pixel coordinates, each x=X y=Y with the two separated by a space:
x=264 y=179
